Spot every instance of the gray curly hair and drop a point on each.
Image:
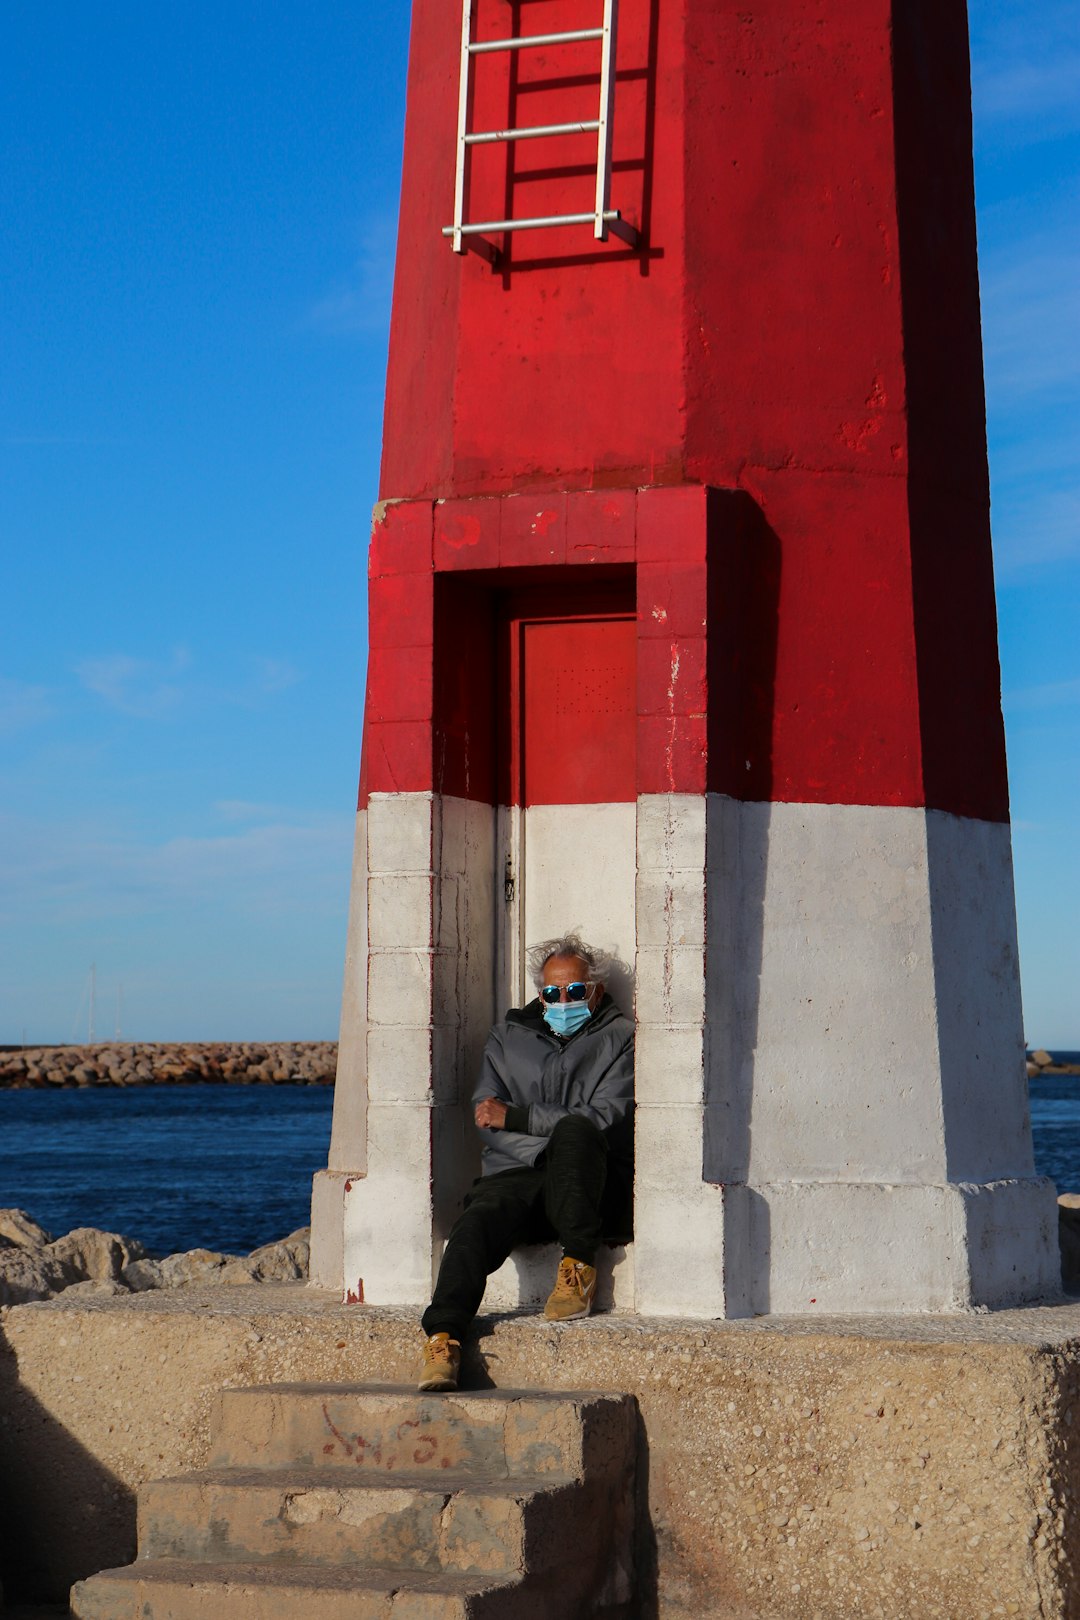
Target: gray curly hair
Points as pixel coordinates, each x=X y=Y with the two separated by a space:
x=571 y=944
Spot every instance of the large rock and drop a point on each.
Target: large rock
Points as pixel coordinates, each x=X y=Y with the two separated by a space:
x=18 y=1230
x=204 y=1266
x=29 y=1274
x=33 y=1266
x=142 y=1275
x=45 y=1269
x=87 y=1253
x=196 y=1265
x=237 y=1270
x=286 y=1261
x=41 y=1269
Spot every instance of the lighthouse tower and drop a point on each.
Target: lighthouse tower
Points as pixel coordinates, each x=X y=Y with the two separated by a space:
x=682 y=633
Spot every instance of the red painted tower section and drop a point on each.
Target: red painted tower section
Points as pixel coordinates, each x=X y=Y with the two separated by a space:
x=800 y=323
x=682 y=629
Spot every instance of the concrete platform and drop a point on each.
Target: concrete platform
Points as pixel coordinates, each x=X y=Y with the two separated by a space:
x=898 y=1468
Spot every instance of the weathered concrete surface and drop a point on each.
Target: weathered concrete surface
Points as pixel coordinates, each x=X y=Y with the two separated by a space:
x=365 y=1500
x=918 y=1468
x=180 y=1591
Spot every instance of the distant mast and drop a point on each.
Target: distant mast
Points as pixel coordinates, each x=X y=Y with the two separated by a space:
x=93 y=999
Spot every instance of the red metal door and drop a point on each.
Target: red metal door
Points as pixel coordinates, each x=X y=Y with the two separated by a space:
x=578 y=710
x=567 y=832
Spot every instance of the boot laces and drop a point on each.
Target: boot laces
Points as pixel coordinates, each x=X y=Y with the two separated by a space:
x=570 y=1279
x=439 y=1348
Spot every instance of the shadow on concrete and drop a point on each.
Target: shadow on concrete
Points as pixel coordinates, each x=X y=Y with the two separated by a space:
x=476 y=1374
x=744 y=575
x=35 y=1611
x=646 y=1563
x=64 y=1516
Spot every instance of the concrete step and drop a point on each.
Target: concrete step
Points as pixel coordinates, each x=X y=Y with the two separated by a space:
x=410 y=1521
x=173 y=1590
x=345 y=1502
x=373 y=1427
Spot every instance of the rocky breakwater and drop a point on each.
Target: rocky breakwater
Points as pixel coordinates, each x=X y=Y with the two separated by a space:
x=1042 y=1062
x=34 y=1265
x=112 y=1063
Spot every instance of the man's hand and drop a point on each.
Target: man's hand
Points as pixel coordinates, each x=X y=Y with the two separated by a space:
x=491 y=1114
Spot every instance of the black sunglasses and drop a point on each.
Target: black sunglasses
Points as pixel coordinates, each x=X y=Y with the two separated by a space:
x=577 y=991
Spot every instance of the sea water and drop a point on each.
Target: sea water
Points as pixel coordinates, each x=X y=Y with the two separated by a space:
x=230 y=1167
x=177 y=1167
x=1055 y=1124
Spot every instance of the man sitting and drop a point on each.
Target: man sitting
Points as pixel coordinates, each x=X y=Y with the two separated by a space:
x=554 y=1106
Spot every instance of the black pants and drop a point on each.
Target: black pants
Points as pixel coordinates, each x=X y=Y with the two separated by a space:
x=560 y=1197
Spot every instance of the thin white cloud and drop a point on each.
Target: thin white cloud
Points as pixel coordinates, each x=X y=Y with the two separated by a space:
x=1048 y=695
x=136 y=686
x=1031 y=324
x=254 y=810
x=1031 y=314
x=1041 y=88
x=275 y=675
x=1025 y=65
x=22 y=706
x=65 y=875
x=149 y=689
x=1034 y=525
x=359 y=304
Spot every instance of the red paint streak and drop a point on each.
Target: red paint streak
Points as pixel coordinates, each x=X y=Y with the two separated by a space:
x=425 y=1450
x=365 y=1448
x=345 y=1444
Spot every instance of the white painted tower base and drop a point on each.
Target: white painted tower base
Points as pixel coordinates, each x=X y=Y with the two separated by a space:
x=831 y=1095
x=832 y=1100
x=416 y=1009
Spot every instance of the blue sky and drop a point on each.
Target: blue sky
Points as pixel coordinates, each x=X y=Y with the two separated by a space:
x=197 y=208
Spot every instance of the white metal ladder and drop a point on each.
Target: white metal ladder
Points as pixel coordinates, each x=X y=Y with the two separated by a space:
x=604 y=219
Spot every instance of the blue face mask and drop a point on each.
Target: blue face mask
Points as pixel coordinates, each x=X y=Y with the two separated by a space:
x=567 y=1017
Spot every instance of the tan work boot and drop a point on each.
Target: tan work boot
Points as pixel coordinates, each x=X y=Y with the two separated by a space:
x=441 y=1364
x=573 y=1292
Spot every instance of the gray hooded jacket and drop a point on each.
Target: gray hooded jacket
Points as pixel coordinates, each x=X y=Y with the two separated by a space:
x=543 y=1078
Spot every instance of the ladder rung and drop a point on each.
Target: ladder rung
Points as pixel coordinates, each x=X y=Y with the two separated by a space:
x=488 y=137
x=605 y=220
x=611 y=216
x=525 y=41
